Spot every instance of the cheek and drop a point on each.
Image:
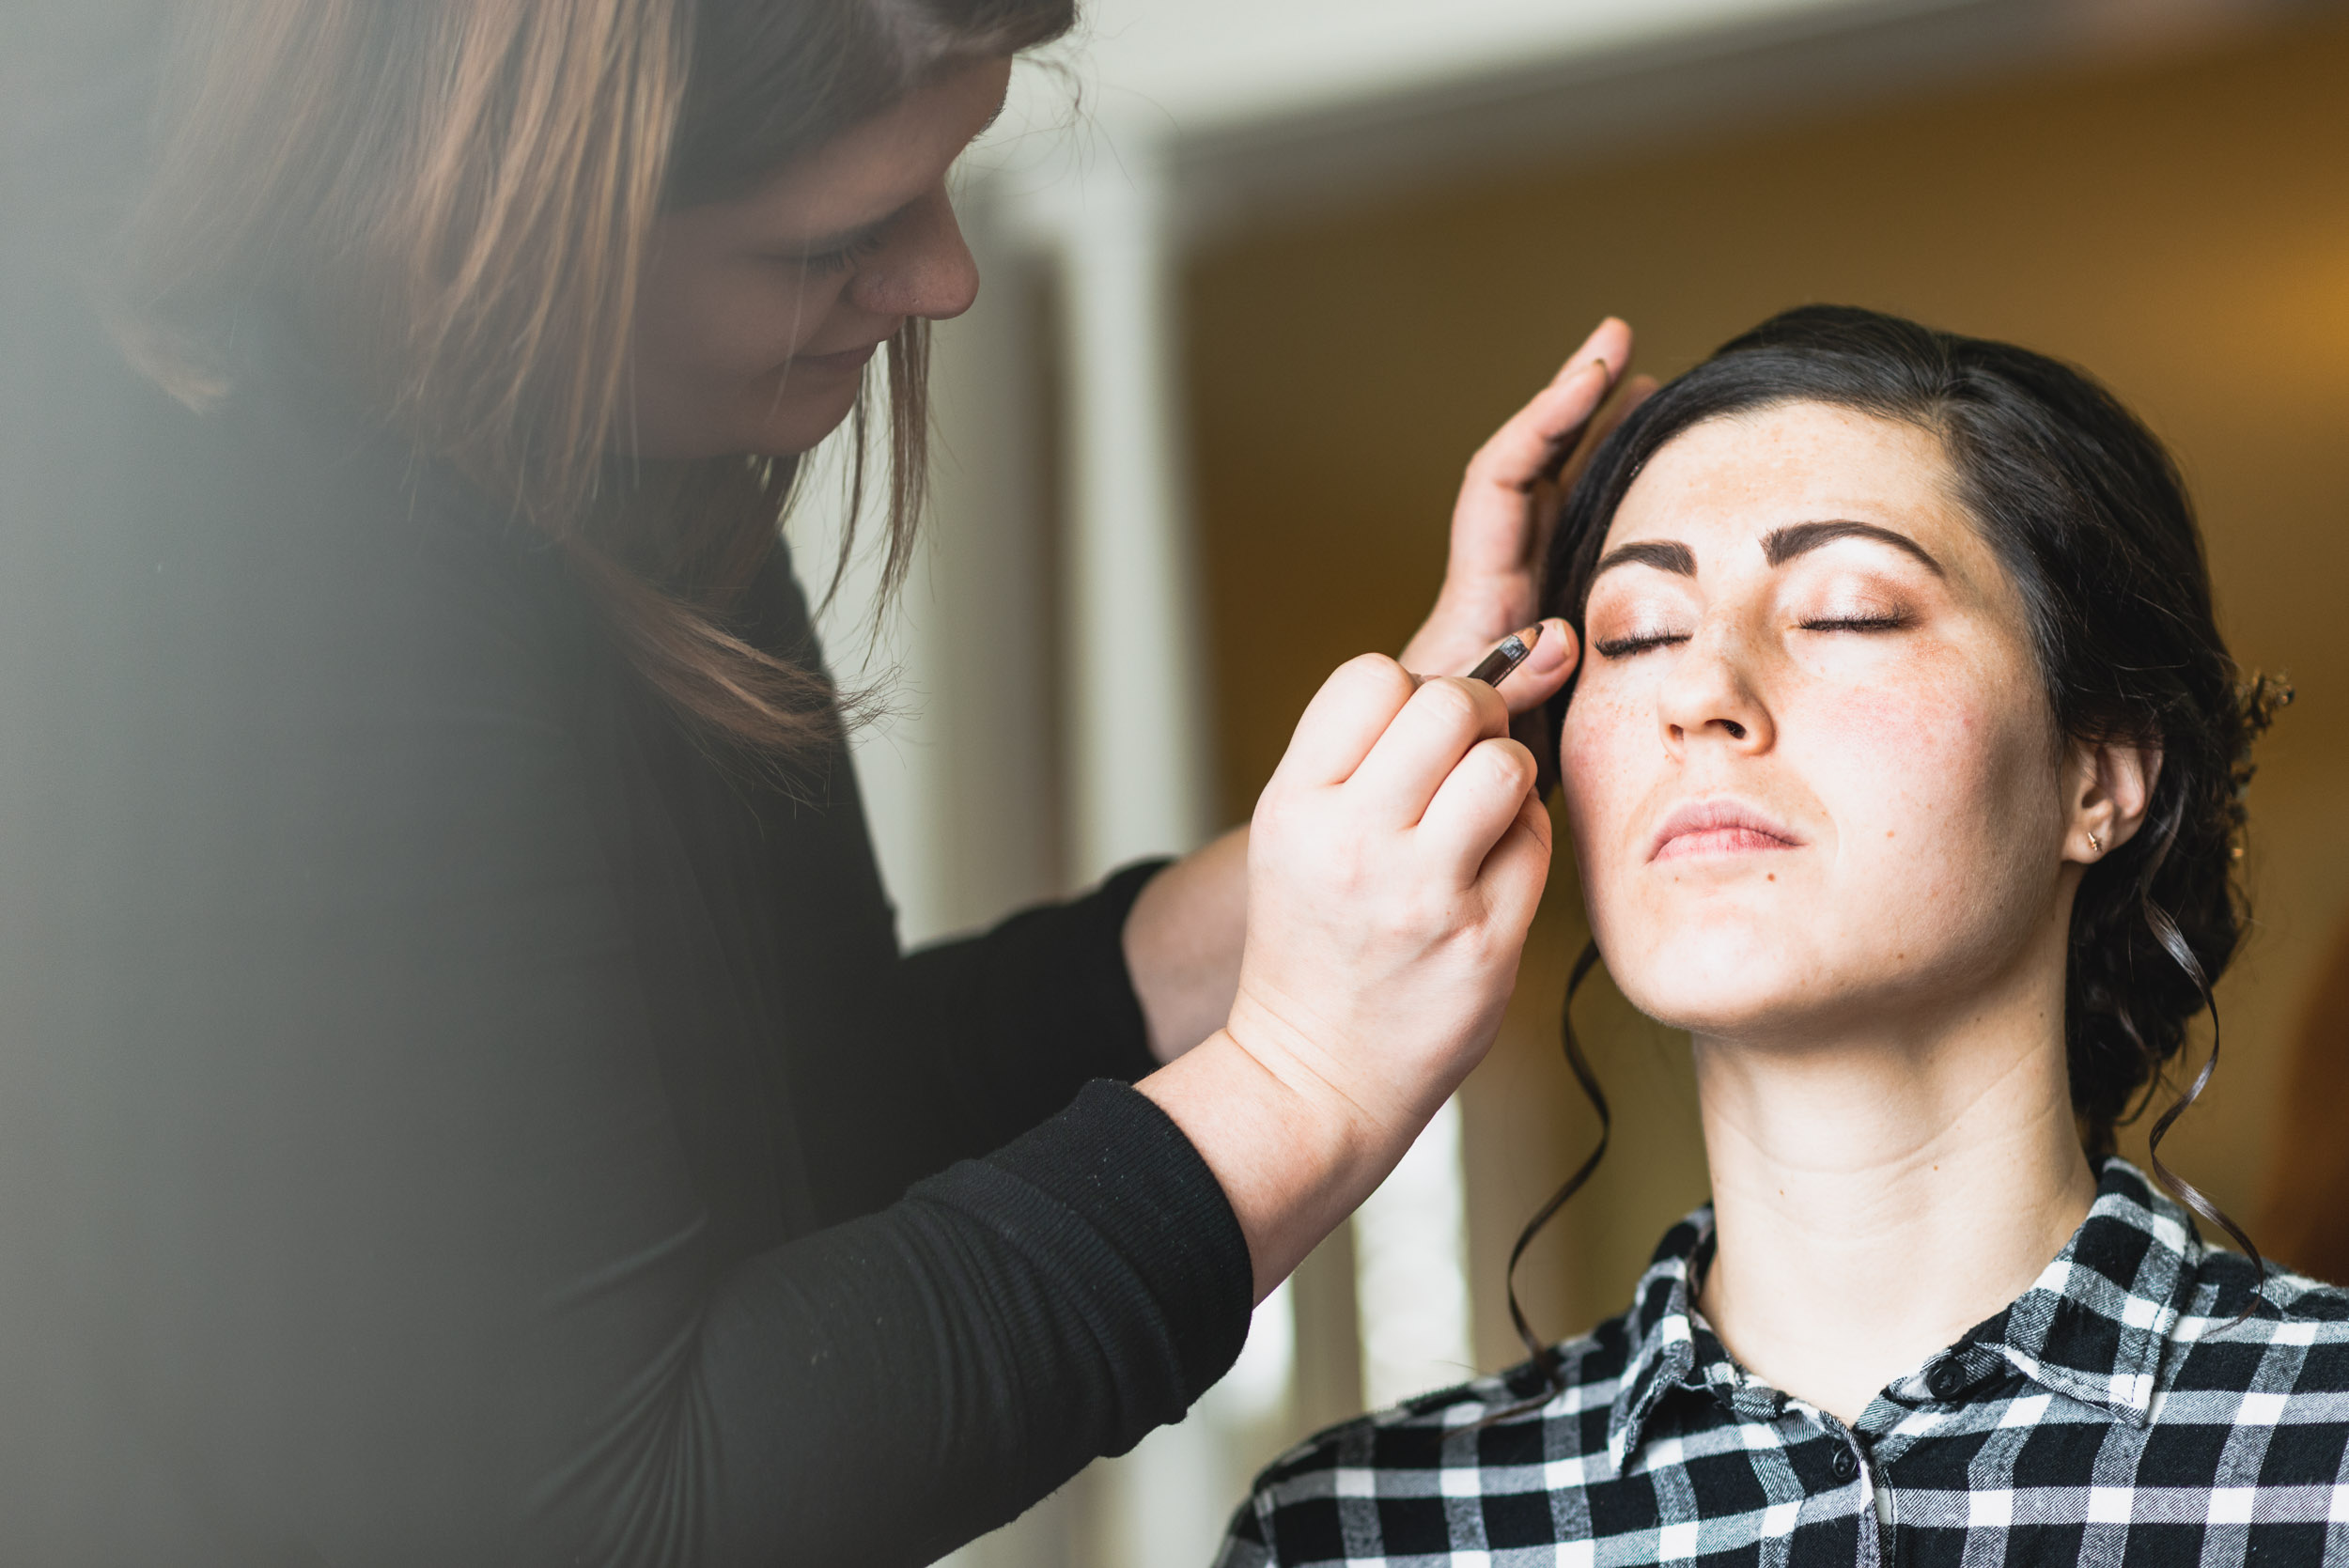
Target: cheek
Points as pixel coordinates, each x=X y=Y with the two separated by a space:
x=1941 y=788
x=737 y=322
x=1607 y=756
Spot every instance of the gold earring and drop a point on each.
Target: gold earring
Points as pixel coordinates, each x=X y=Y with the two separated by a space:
x=2095 y=843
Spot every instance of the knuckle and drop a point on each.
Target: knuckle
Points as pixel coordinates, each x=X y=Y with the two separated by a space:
x=1450 y=701
x=1374 y=673
x=1510 y=760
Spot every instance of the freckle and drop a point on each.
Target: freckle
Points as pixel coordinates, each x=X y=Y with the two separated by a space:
x=1771 y=878
x=1888 y=833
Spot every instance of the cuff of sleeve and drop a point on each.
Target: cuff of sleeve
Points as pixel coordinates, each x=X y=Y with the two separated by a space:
x=1108 y=983
x=1121 y=1163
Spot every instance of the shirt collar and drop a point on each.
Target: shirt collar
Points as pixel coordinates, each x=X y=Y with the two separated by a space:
x=2094 y=1323
x=2093 y=1326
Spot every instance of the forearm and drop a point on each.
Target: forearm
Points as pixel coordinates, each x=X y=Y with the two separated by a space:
x=885 y=1390
x=1183 y=943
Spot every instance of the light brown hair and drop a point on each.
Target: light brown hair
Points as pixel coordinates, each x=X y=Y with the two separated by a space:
x=466 y=190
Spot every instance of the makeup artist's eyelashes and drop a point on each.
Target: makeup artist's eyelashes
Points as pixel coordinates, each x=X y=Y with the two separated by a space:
x=1631 y=647
x=840 y=259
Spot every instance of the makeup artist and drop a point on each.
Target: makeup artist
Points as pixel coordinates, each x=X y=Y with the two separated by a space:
x=462 y=1101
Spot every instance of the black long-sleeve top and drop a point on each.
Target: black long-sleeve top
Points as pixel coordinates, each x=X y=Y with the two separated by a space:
x=445 y=1116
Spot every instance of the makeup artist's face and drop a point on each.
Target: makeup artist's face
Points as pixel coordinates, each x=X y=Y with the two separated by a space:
x=1811 y=771
x=758 y=315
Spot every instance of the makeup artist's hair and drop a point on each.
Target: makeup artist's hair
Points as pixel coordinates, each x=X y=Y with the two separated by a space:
x=2085 y=510
x=467 y=188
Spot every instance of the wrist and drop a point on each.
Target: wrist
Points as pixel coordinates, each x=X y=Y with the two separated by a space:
x=1310 y=1060
x=1292 y=1159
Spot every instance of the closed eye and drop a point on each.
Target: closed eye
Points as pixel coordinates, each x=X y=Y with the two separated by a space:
x=840 y=259
x=1885 y=621
x=1625 y=647
x=839 y=255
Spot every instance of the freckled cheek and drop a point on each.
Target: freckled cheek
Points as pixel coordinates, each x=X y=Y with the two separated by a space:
x=1607 y=760
x=1917 y=771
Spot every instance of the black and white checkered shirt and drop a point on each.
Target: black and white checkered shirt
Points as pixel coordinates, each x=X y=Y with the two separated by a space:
x=2112 y=1415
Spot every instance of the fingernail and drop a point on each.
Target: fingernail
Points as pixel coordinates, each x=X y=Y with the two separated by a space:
x=1550 y=651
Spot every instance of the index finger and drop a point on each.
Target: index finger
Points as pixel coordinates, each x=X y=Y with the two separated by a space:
x=1536 y=439
x=1344 y=720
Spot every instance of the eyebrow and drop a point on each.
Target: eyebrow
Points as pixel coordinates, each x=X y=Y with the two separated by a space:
x=1782 y=545
x=1779 y=546
x=1663 y=554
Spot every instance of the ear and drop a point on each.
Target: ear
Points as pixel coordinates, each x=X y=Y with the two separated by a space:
x=2111 y=785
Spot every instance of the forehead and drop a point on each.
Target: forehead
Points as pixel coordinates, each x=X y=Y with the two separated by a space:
x=871 y=169
x=1743 y=475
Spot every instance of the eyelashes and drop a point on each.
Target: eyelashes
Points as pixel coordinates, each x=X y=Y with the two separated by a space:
x=1875 y=620
x=1625 y=647
x=862 y=248
x=1638 y=642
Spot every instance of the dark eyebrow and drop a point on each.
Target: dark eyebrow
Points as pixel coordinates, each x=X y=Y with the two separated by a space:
x=1663 y=554
x=1782 y=545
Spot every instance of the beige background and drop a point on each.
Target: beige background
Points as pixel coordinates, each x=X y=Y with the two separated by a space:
x=2179 y=227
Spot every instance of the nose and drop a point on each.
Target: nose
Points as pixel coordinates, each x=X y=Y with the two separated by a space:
x=1709 y=696
x=928 y=269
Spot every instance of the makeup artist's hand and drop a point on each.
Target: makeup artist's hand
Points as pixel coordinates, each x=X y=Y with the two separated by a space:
x=1500 y=525
x=1393 y=866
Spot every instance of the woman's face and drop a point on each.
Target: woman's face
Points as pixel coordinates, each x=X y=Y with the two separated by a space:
x=1810 y=770
x=758 y=315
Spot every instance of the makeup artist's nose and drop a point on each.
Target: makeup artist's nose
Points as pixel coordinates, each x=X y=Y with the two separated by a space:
x=925 y=271
x=1708 y=696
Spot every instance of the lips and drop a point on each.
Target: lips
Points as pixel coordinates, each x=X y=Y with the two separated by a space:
x=852 y=359
x=1720 y=827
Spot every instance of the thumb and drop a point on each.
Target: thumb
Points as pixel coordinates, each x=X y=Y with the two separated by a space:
x=1545 y=670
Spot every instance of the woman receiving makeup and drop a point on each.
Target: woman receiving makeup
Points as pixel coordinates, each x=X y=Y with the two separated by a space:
x=461 y=1098
x=1903 y=766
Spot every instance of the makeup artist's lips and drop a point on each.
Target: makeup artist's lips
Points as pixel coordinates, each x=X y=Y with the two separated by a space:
x=1720 y=827
x=852 y=359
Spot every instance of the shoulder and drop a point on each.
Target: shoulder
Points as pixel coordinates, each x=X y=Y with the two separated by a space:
x=348 y=697
x=2222 y=1284
x=1393 y=1460
x=2286 y=1360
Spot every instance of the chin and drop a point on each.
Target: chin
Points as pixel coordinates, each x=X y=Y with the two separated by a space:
x=790 y=430
x=1735 y=973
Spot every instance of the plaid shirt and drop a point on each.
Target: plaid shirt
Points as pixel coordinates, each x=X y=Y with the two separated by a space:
x=2112 y=1415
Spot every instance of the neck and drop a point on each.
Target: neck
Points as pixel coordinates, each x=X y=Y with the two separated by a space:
x=1880 y=1193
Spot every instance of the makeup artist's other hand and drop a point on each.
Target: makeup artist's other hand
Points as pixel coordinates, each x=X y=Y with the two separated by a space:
x=1500 y=525
x=1393 y=865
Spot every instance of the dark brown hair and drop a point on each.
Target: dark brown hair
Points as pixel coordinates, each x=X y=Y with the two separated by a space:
x=470 y=186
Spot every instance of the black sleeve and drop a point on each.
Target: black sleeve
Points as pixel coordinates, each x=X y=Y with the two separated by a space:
x=989 y=1034
x=970 y=1349
x=345 y=1218
x=1037 y=1006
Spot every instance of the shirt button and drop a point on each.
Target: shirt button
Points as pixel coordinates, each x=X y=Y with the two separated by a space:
x=1845 y=1466
x=1948 y=1380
